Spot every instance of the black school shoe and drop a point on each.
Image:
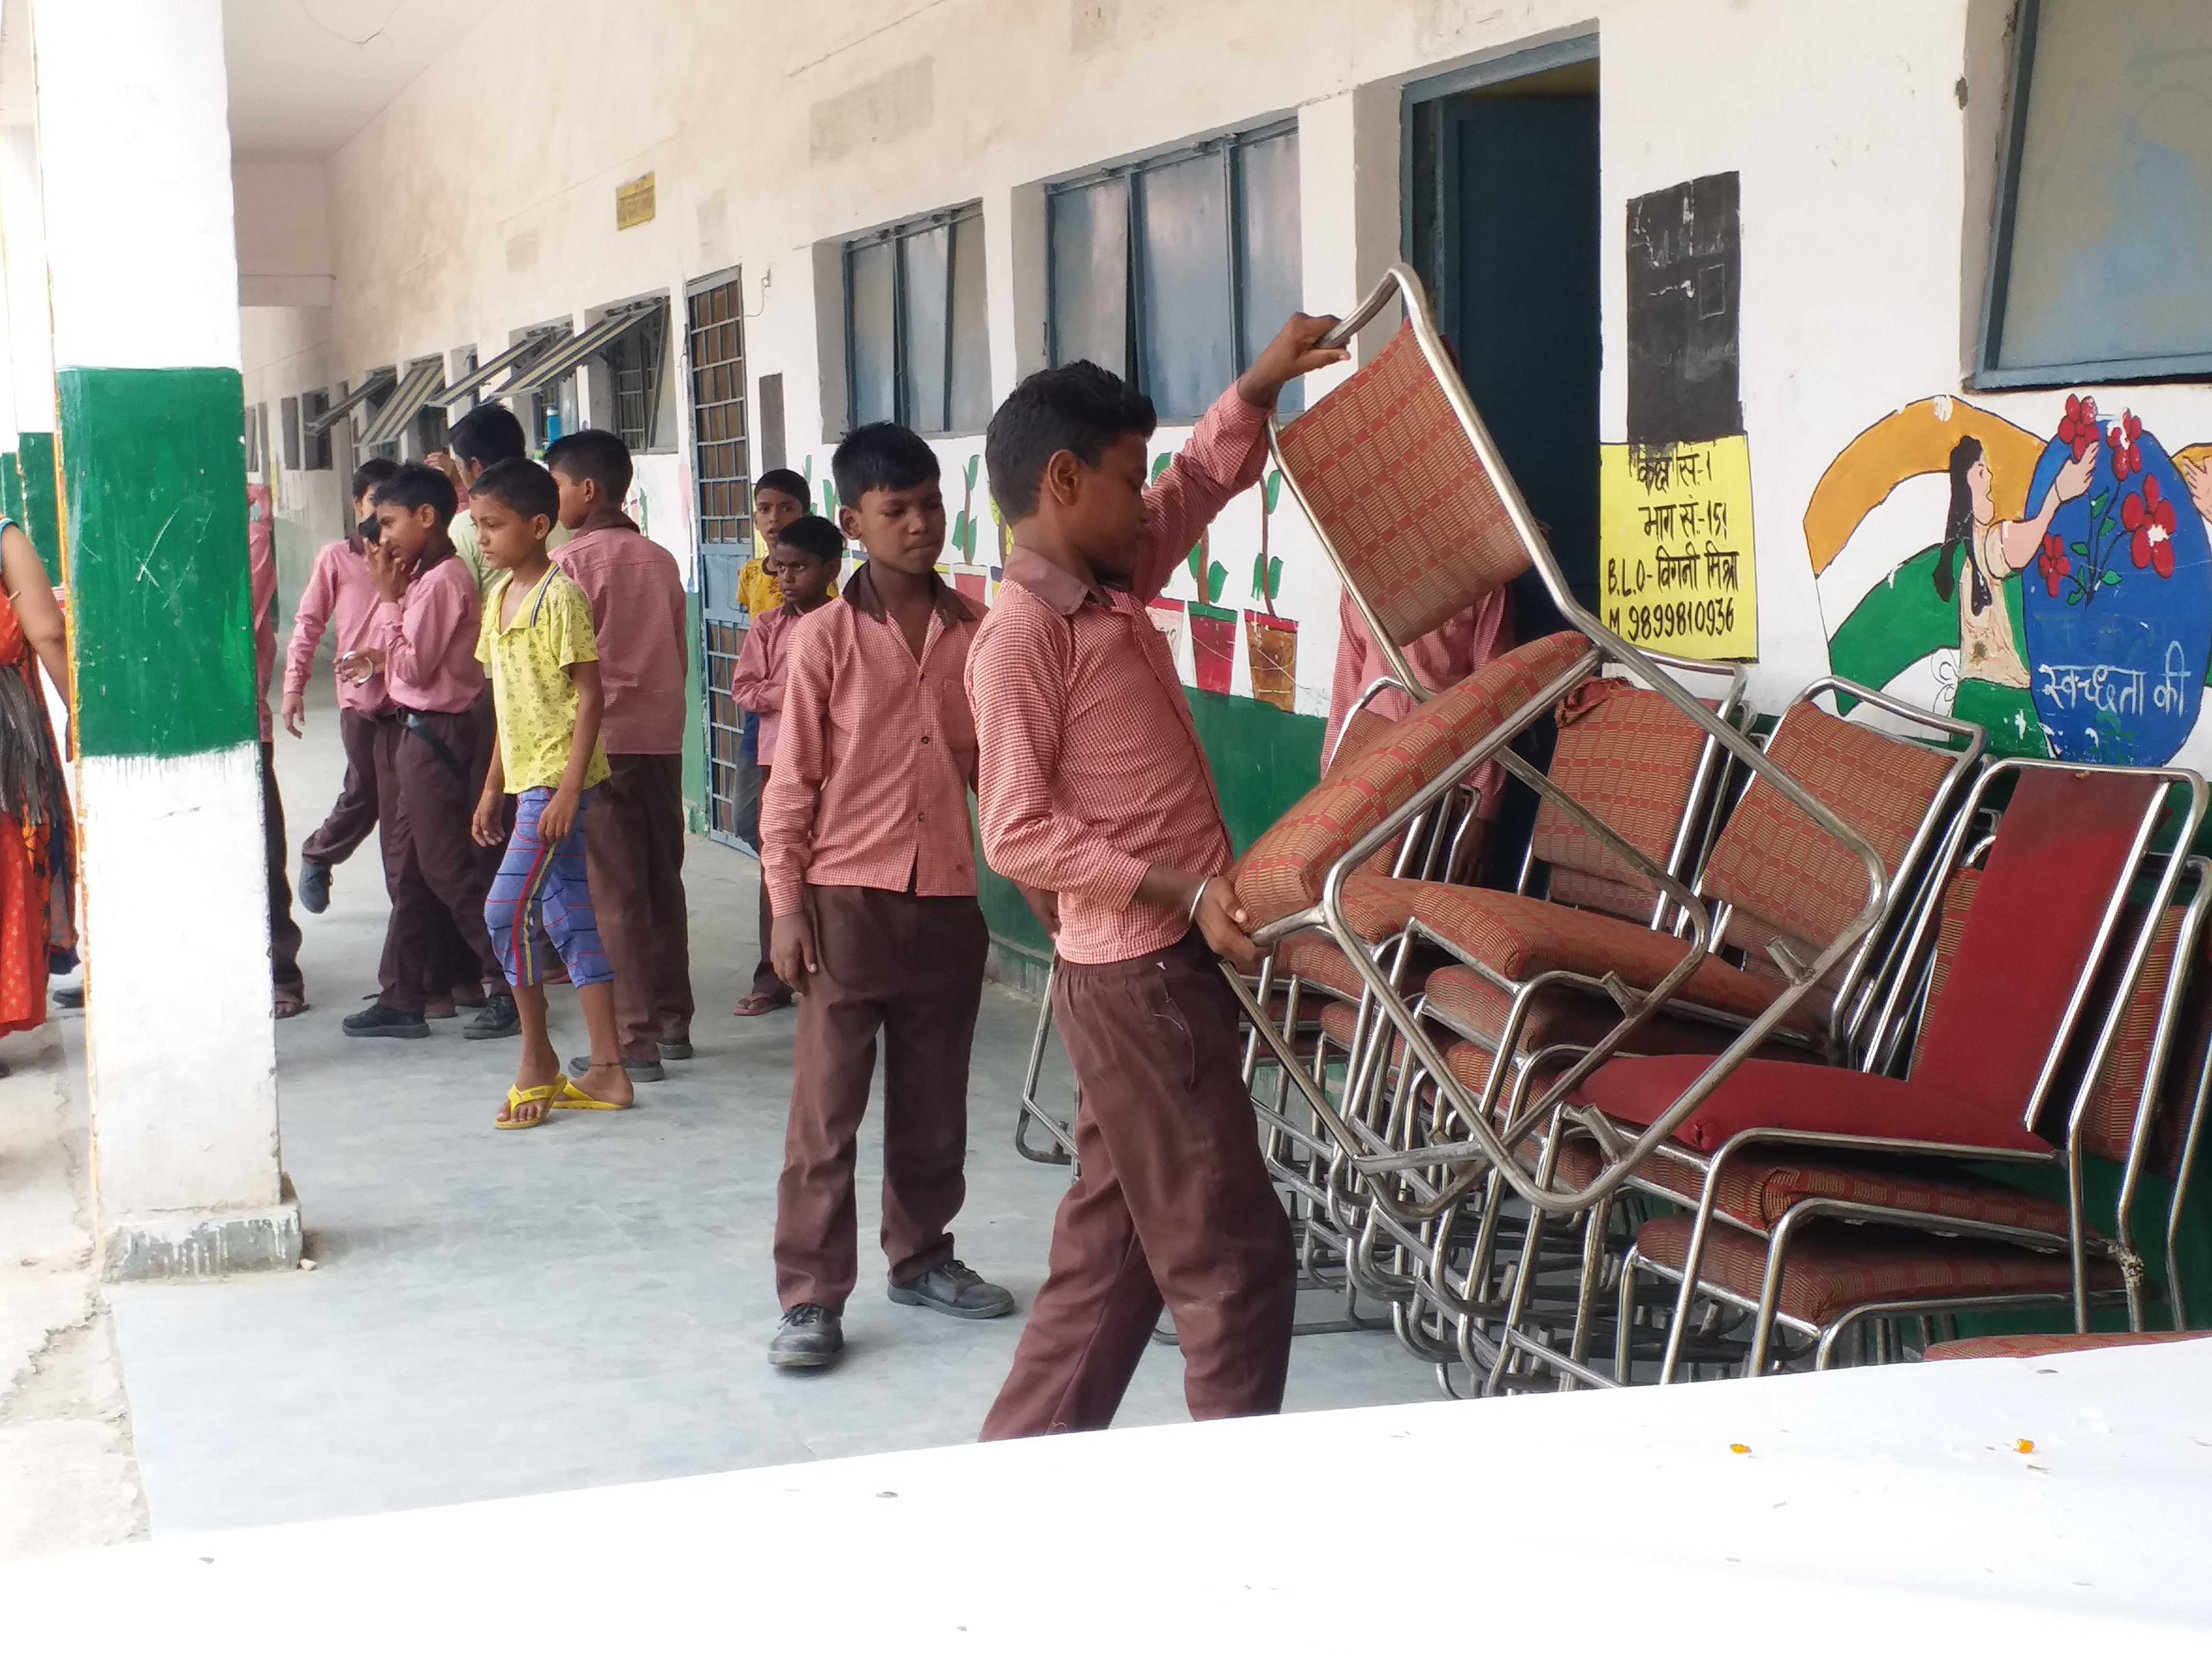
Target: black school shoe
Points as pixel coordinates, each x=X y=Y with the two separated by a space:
x=809 y=1338
x=955 y=1289
x=498 y=1019
x=641 y=1071
x=314 y=887
x=378 y=1021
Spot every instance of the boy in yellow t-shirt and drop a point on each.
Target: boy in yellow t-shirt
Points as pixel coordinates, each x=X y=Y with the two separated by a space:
x=537 y=644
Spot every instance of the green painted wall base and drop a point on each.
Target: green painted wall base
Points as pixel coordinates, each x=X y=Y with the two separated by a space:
x=11 y=487
x=34 y=467
x=695 y=718
x=156 y=491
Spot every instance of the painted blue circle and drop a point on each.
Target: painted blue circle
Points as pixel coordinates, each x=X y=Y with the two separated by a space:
x=2118 y=655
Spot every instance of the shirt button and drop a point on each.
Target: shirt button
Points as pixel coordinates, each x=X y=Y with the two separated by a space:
x=925 y=741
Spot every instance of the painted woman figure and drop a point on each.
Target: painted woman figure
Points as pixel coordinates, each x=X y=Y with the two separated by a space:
x=1993 y=677
x=37 y=846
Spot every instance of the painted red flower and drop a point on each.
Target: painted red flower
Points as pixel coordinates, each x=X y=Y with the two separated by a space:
x=2124 y=436
x=2054 y=562
x=2148 y=519
x=2078 y=429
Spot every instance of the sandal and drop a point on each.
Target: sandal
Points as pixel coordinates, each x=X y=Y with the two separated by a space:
x=288 y=1005
x=525 y=1108
x=567 y=1098
x=760 y=1002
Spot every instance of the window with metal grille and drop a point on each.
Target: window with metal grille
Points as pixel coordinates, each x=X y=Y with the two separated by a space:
x=917 y=347
x=721 y=471
x=637 y=363
x=1176 y=270
x=2101 y=269
x=316 y=445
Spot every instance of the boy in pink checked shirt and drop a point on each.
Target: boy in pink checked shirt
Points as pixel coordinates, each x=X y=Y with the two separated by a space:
x=339 y=594
x=289 y=991
x=803 y=561
x=635 y=846
x=422 y=638
x=870 y=871
x=1093 y=788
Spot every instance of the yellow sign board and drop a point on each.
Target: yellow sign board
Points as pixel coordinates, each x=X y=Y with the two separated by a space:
x=634 y=203
x=1675 y=543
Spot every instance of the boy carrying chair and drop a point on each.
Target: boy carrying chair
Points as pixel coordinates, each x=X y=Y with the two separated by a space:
x=538 y=644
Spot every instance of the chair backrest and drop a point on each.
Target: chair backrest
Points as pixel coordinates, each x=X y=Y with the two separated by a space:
x=1399 y=495
x=1631 y=759
x=1282 y=872
x=2029 y=934
x=1784 y=877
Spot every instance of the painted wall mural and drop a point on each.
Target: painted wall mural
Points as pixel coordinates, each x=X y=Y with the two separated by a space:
x=2057 y=589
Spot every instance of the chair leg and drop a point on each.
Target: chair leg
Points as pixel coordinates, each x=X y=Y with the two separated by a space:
x=1625 y=1314
x=1595 y=1226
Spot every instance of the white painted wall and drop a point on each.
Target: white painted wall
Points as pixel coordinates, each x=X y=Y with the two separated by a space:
x=284 y=228
x=474 y=205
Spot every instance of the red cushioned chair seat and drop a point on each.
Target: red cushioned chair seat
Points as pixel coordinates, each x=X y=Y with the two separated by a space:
x=2041 y=1347
x=1318 y=963
x=1563 y=1014
x=1832 y=1269
x=1768 y=1094
x=1519 y=938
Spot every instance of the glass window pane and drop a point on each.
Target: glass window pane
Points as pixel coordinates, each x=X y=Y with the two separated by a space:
x=868 y=332
x=971 y=333
x=2112 y=247
x=1185 y=331
x=1090 y=231
x=927 y=257
x=1269 y=267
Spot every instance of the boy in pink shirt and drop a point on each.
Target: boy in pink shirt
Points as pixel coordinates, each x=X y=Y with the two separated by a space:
x=288 y=988
x=635 y=852
x=339 y=594
x=422 y=638
x=803 y=560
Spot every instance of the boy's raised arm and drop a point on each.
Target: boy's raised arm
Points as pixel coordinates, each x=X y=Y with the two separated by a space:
x=795 y=774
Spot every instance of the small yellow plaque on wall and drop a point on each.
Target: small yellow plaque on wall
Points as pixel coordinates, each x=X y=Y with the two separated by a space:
x=1675 y=537
x=633 y=203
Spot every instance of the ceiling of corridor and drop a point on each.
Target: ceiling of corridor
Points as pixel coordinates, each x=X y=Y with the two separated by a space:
x=306 y=75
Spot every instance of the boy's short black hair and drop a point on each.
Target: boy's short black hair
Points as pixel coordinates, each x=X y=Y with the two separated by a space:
x=599 y=455
x=1078 y=407
x=881 y=455
x=784 y=480
x=486 y=434
x=370 y=473
x=814 y=536
x=520 y=485
x=415 y=485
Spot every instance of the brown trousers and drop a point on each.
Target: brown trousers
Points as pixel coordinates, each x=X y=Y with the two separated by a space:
x=766 y=982
x=354 y=814
x=435 y=873
x=1173 y=1203
x=913 y=969
x=634 y=856
x=284 y=931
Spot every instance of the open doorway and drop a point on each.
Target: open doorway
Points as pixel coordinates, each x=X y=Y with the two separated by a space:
x=1502 y=209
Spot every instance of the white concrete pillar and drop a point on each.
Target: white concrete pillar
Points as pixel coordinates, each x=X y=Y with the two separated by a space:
x=28 y=484
x=134 y=157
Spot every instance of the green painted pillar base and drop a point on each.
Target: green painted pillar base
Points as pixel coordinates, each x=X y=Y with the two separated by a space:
x=40 y=516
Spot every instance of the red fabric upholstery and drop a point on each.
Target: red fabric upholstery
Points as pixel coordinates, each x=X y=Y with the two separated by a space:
x=1767 y=1094
x=1562 y=1015
x=1319 y=964
x=2042 y=1347
x=1389 y=474
x=2063 y=846
x=1520 y=937
x=1282 y=872
x=1832 y=1269
x=1628 y=757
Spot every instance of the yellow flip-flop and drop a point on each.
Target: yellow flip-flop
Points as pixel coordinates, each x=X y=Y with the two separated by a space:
x=567 y=1098
x=517 y=1098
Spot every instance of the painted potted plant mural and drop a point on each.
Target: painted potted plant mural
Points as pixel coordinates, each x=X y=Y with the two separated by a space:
x=1212 y=626
x=2117 y=601
x=969 y=583
x=1271 y=642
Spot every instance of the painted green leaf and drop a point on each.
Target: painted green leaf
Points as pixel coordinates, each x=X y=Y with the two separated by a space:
x=1216 y=579
x=2073 y=596
x=1160 y=464
x=1193 y=561
x=1274 y=577
x=973 y=461
x=1272 y=489
x=1259 y=579
x=2112 y=579
x=2078 y=550
x=2097 y=503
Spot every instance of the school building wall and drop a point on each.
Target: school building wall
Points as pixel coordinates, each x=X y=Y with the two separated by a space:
x=1864 y=139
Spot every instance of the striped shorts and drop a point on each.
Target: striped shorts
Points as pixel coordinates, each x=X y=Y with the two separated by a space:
x=542 y=896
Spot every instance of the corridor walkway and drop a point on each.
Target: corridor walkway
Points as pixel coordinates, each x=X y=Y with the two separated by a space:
x=493 y=1315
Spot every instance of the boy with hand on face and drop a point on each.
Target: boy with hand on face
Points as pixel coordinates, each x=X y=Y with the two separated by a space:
x=805 y=558
x=538 y=644
x=866 y=848
x=1094 y=788
x=635 y=850
x=421 y=638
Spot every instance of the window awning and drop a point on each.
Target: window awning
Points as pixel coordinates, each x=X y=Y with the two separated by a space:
x=421 y=384
x=353 y=400
x=570 y=352
x=516 y=356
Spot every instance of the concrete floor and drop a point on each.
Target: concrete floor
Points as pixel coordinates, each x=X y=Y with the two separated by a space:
x=492 y=1314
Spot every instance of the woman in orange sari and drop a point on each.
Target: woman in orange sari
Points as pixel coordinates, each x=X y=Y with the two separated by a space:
x=38 y=847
